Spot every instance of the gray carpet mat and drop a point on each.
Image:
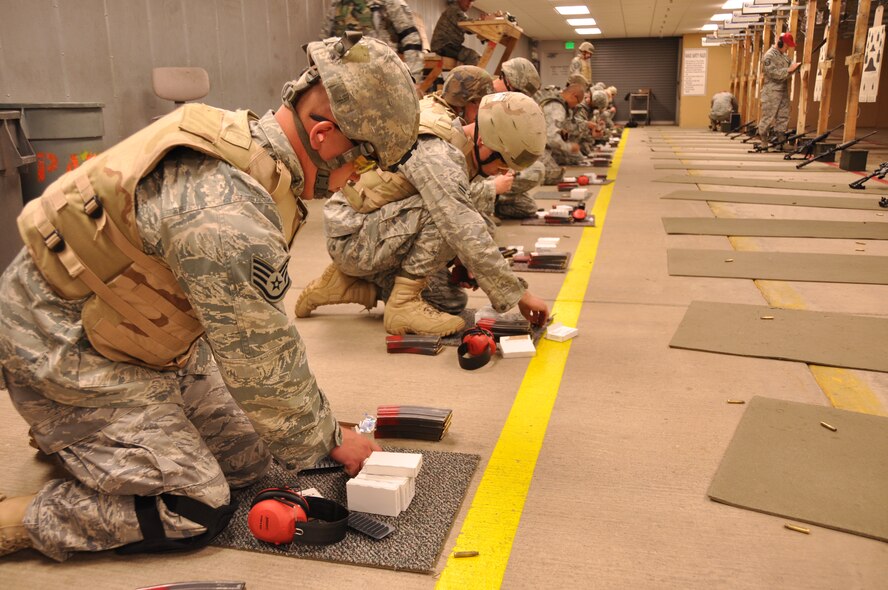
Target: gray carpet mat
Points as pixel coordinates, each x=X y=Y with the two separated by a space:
x=872 y=188
x=747 y=157
x=781 y=461
x=822 y=338
x=775 y=167
x=780 y=266
x=588 y=222
x=866 y=203
x=420 y=532
x=780 y=228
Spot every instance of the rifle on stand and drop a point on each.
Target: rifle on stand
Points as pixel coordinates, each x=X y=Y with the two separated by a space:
x=779 y=142
x=744 y=129
x=836 y=149
x=881 y=172
x=807 y=148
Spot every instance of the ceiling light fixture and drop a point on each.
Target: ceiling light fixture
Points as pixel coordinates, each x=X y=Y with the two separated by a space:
x=569 y=10
x=732 y=4
x=581 y=22
x=709 y=27
x=583 y=32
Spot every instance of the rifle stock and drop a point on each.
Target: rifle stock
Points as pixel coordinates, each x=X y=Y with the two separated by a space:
x=838 y=148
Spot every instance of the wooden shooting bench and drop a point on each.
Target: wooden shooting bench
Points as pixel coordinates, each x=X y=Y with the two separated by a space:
x=494 y=31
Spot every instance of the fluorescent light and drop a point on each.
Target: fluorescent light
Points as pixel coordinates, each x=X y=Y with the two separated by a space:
x=721 y=16
x=572 y=10
x=732 y=4
x=595 y=31
x=710 y=27
x=581 y=22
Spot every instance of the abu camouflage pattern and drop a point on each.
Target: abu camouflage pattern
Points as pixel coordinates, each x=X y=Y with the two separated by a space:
x=521 y=76
x=561 y=151
x=378 y=187
x=83 y=237
x=581 y=67
x=205 y=220
x=517 y=203
x=774 y=93
x=390 y=21
x=199 y=444
x=371 y=94
x=420 y=234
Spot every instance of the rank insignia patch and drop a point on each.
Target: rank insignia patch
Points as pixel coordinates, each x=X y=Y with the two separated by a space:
x=272 y=282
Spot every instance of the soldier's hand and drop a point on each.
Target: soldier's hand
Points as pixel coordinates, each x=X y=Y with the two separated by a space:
x=533 y=309
x=502 y=183
x=353 y=451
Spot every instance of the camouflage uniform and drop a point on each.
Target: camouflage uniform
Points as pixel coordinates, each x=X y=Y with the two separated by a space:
x=775 y=93
x=419 y=235
x=723 y=104
x=517 y=203
x=558 y=151
x=388 y=20
x=124 y=431
x=448 y=37
x=582 y=67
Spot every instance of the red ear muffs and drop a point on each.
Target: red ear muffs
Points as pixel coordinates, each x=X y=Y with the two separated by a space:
x=274 y=514
x=478 y=345
x=582 y=180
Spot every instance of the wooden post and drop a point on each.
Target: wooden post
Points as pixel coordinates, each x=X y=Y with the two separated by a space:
x=741 y=78
x=752 y=99
x=855 y=69
x=805 y=77
x=760 y=72
x=735 y=52
x=826 y=66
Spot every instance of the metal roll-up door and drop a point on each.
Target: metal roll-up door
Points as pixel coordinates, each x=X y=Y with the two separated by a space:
x=630 y=64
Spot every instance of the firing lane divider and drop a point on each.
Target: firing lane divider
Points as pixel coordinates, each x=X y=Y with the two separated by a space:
x=493 y=517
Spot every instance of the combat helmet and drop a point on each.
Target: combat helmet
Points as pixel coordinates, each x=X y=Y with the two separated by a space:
x=466 y=84
x=599 y=99
x=372 y=96
x=521 y=76
x=512 y=124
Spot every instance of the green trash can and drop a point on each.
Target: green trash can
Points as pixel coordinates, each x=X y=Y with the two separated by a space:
x=15 y=154
x=63 y=134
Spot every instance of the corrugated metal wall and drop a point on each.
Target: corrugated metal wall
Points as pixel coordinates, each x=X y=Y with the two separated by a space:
x=104 y=50
x=628 y=64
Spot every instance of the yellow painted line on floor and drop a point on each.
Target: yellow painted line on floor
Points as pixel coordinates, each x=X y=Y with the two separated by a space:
x=842 y=387
x=493 y=517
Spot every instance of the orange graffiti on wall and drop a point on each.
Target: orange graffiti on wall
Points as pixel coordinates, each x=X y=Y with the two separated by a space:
x=48 y=162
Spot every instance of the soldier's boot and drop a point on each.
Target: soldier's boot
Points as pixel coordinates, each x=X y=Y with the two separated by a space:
x=13 y=535
x=406 y=312
x=333 y=287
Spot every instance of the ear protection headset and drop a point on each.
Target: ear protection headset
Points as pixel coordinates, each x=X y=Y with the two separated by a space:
x=281 y=515
x=478 y=345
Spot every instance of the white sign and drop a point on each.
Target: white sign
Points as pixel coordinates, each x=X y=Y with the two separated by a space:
x=693 y=72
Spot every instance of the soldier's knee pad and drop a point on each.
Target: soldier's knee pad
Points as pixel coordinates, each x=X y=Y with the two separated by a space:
x=154 y=539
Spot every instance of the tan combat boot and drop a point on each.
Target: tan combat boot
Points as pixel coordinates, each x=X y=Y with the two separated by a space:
x=406 y=312
x=13 y=535
x=334 y=287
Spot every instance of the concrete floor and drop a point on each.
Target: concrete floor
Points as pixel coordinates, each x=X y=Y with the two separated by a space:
x=617 y=498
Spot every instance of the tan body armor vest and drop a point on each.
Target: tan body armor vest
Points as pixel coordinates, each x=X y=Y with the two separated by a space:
x=378 y=187
x=83 y=237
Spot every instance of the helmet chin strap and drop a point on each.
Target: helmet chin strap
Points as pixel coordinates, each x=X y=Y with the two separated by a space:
x=481 y=163
x=290 y=95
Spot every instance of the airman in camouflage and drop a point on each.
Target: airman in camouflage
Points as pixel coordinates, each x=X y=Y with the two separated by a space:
x=448 y=36
x=582 y=62
x=390 y=21
x=723 y=104
x=397 y=247
x=776 y=70
x=560 y=152
x=519 y=75
x=152 y=453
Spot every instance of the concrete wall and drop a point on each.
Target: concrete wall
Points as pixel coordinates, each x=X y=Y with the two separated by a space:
x=693 y=111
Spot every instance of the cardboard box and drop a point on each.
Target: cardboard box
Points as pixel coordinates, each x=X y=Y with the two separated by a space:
x=517 y=346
